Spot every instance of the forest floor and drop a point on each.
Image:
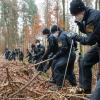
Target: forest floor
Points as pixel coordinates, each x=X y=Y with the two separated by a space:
x=20 y=81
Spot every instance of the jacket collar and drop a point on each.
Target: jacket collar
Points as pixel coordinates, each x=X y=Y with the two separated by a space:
x=87 y=14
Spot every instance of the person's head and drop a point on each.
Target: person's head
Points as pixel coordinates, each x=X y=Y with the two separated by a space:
x=32 y=46
x=6 y=48
x=37 y=42
x=27 y=50
x=79 y=53
x=46 y=31
x=55 y=30
x=77 y=9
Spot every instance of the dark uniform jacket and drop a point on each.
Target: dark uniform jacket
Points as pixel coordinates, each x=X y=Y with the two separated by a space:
x=64 y=43
x=91 y=27
x=39 y=51
x=52 y=46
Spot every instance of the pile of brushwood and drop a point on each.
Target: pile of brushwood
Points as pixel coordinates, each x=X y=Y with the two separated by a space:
x=20 y=81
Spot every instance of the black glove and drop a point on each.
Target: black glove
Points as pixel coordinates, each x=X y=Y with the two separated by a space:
x=57 y=55
x=54 y=57
x=75 y=37
x=50 y=56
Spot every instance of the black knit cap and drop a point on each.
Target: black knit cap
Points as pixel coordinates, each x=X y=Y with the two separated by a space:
x=55 y=28
x=37 y=41
x=77 y=6
x=46 y=31
x=32 y=46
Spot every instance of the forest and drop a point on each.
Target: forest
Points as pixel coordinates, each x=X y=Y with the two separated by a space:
x=21 y=28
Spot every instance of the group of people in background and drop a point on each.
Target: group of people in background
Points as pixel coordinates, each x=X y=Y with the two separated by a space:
x=58 y=49
x=36 y=52
x=13 y=55
x=32 y=55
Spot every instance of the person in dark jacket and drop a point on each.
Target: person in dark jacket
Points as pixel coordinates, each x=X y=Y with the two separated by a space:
x=6 y=53
x=32 y=51
x=13 y=55
x=52 y=48
x=60 y=59
x=88 y=21
x=21 y=55
x=39 y=51
x=17 y=51
x=9 y=55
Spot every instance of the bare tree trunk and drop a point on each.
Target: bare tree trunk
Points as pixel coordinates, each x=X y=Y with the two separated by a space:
x=99 y=4
x=96 y=4
x=47 y=13
x=57 y=12
x=63 y=3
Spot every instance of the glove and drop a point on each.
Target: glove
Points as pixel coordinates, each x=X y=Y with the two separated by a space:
x=57 y=55
x=50 y=56
x=54 y=57
x=75 y=37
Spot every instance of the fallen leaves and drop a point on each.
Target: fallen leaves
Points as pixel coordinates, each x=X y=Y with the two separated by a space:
x=19 y=82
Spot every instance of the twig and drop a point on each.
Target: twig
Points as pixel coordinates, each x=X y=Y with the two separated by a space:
x=42 y=62
x=71 y=95
x=77 y=96
x=56 y=93
x=9 y=79
x=16 y=99
x=21 y=89
x=15 y=82
x=41 y=98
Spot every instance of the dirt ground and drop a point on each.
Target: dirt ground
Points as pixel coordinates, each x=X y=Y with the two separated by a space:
x=20 y=81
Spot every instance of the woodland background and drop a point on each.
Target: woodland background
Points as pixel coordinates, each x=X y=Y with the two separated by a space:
x=21 y=20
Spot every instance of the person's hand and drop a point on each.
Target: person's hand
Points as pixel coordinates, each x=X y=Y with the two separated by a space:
x=73 y=36
x=54 y=57
x=50 y=56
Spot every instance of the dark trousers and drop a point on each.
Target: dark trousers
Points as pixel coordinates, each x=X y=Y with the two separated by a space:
x=39 y=67
x=58 y=69
x=96 y=94
x=44 y=67
x=89 y=59
x=47 y=66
